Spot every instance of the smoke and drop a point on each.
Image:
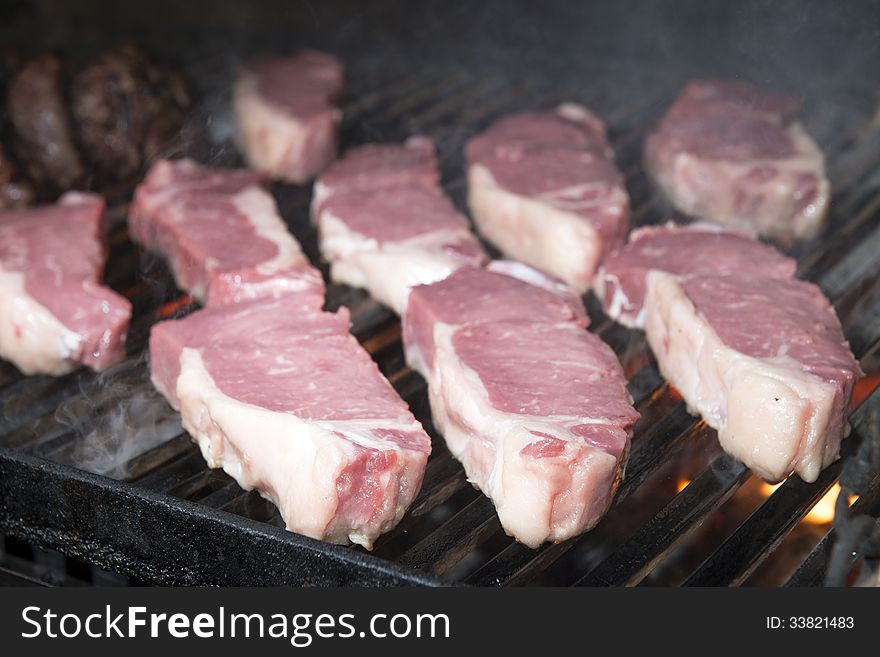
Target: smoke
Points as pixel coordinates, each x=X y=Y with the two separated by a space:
x=117 y=417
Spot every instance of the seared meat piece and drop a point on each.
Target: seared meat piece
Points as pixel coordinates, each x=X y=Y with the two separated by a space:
x=41 y=123
x=127 y=110
x=15 y=191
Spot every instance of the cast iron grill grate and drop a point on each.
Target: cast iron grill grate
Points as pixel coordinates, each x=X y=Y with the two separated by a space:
x=162 y=516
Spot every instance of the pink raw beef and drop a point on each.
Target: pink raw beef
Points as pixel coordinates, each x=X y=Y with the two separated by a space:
x=755 y=351
x=282 y=397
x=730 y=153
x=533 y=405
x=543 y=188
x=221 y=233
x=286 y=114
x=385 y=225
x=54 y=313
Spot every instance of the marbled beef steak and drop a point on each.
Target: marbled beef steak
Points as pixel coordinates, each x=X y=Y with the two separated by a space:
x=729 y=153
x=54 y=313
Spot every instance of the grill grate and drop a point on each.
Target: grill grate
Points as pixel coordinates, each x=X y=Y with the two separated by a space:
x=172 y=520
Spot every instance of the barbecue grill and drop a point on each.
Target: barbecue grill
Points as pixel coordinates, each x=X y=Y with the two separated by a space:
x=97 y=475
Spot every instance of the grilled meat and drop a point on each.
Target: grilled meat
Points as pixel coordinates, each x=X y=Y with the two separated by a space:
x=41 y=124
x=127 y=110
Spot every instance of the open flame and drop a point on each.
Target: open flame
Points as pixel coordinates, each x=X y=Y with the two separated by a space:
x=864 y=387
x=173 y=306
x=822 y=512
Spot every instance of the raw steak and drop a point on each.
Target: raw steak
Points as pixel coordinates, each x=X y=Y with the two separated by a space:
x=374 y=166
x=221 y=232
x=285 y=400
x=729 y=153
x=285 y=114
x=699 y=248
x=759 y=354
x=385 y=225
x=54 y=314
x=534 y=406
x=544 y=189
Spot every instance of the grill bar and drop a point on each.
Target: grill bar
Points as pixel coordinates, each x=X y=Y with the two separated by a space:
x=107 y=521
x=812 y=571
x=458 y=536
x=738 y=556
x=511 y=566
x=683 y=515
x=450 y=525
x=654 y=541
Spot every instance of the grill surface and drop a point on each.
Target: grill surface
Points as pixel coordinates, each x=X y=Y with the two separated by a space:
x=162 y=516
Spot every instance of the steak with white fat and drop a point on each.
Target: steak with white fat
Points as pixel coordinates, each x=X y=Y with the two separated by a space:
x=533 y=405
x=758 y=353
x=729 y=153
x=696 y=249
x=544 y=189
x=221 y=233
x=385 y=225
x=54 y=313
x=286 y=114
x=282 y=397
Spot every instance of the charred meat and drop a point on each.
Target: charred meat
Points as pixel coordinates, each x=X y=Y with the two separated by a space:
x=41 y=123
x=15 y=191
x=127 y=110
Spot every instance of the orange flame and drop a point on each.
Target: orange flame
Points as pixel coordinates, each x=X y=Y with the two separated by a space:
x=173 y=306
x=864 y=387
x=822 y=512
